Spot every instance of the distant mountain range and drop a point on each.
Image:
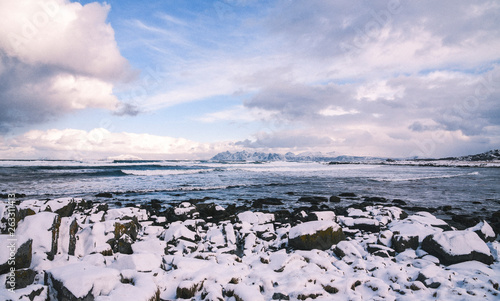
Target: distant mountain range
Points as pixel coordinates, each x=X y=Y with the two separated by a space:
x=302 y=157
x=493 y=155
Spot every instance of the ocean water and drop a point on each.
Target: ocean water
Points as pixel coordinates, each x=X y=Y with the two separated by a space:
x=471 y=189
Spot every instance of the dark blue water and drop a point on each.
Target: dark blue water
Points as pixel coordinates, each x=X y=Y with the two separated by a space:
x=469 y=188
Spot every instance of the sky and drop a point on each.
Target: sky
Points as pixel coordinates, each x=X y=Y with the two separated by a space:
x=169 y=79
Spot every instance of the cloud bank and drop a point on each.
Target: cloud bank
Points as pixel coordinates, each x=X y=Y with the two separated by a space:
x=56 y=57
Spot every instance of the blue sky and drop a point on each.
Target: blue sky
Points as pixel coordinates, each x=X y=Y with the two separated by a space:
x=187 y=79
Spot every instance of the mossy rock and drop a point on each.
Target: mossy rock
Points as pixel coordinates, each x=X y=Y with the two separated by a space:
x=322 y=239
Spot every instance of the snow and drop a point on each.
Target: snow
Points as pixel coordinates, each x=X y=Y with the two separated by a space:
x=178 y=230
x=310 y=228
x=24 y=293
x=99 y=280
x=4 y=242
x=255 y=217
x=351 y=222
x=246 y=292
x=325 y=215
x=37 y=227
x=93 y=238
x=485 y=228
x=144 y=262
x=57 y=204
x=461 y=242
x=128 y=212
x=247 y=255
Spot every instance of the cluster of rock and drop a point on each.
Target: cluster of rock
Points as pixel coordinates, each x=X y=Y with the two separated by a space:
x=71 y=249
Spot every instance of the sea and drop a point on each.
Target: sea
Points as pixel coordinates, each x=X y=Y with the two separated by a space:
x=466 y=189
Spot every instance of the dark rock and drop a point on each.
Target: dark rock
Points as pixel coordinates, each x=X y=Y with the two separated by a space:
x=22 y=278
x=55 y=237
x=445 y=208
x=280 y=296
x=402 y=242
x=465 y=220
x=380 y=250
x=372 y=226
x=22 y=213
x=22 y=257
x=375 y=199
x=258 y=203
x=430 y=284
x=129 y=227
x=348 y=194
x=322 y=239
x=62 y=292
x=102 y=207
x=155 y=204
x=399 y=202
x=419 y=208
x=210 y=213
x=485 y=231
x=186 y=290
x=124 y=245
x=84 y=205
x=282 y=216
x=441 y=245
x=104 y=195
x=67 y=210
x=313 y=199
x=330 y=289
x=73 y=229
x=17 y=195
x=334 y=199
x=306 y=296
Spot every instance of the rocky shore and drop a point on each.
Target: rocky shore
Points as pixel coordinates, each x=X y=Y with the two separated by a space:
x=75 y=249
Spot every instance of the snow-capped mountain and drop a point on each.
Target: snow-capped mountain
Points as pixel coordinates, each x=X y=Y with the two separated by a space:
x=302 y=157
x=492 y=155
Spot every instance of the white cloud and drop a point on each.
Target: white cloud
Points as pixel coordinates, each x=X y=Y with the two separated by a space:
x=336 y=111
x=379 y=90
x=55 y=57
x=237 y=113
x=100 y=143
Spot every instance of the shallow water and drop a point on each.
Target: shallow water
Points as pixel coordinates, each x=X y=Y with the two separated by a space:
x=173 y=181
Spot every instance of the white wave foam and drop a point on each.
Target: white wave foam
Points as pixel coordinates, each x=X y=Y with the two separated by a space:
x=475 y=173
x=169 y=172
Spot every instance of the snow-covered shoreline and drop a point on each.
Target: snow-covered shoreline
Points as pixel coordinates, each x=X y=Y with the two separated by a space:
x=79 y=250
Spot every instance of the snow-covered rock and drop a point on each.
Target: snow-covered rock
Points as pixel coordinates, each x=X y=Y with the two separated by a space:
x=81 y=281
x=315 y=235
x=457 y=246
x=484 y=230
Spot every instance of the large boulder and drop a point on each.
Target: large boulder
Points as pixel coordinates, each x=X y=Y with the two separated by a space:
x=43 y=229
x=315 y=235
x=80 y=281
x=457 y=246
